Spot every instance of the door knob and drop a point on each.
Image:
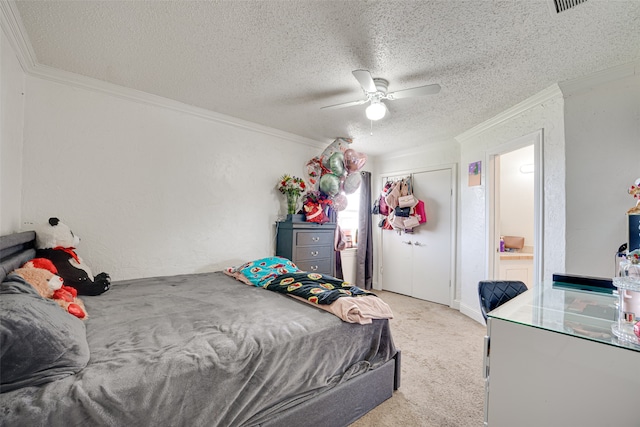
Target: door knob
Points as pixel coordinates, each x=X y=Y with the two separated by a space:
x=418 y=243
x=407 y=243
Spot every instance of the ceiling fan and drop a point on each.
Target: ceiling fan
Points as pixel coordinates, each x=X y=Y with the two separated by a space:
x=375 y=90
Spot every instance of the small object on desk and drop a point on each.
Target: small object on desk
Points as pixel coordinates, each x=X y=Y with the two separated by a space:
x=501 y=244
x=586 y=283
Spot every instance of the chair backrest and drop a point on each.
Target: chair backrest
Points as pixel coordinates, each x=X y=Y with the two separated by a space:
x=494 y=293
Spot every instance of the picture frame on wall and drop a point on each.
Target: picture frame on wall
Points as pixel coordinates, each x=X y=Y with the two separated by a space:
x=475 y=173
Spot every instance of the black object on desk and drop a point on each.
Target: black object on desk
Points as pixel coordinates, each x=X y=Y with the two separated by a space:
x=584 y=283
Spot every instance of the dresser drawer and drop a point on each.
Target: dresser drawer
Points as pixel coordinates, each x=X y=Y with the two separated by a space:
x=313 y=252
x=314 y=238
x=323 y=266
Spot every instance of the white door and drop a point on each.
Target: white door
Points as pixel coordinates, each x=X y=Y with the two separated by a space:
x=432 y=241
x=419 y=264
x=397 y=256
x=397 y=274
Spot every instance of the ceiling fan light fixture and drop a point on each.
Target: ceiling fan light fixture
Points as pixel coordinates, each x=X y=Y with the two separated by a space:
x=376 y=111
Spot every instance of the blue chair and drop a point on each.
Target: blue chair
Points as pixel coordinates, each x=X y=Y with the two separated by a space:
x=494 y=293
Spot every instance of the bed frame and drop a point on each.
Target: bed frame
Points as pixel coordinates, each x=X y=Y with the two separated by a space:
x=348 y=401
x=15 y=250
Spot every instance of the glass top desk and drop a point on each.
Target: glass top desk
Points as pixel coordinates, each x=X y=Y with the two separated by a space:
x=557 y=308
x=552 y=359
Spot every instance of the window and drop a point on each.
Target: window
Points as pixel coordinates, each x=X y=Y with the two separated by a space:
x=348 y=219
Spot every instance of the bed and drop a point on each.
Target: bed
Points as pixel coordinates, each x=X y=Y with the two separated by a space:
x=199 y=350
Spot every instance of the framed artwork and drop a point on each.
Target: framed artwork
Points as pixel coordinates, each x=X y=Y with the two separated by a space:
x=475 y=170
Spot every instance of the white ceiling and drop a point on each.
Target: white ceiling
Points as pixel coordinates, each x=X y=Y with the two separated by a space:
x=276 y=63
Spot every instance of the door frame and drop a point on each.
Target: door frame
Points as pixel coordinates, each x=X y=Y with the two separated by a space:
x=492 y=237
x=453 y=167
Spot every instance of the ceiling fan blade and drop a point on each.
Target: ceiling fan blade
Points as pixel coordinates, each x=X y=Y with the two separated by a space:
x=345 y=104
x=416 y=91
x=365 y=80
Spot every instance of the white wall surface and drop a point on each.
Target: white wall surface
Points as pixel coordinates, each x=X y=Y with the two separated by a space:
x=11 y=125
x=517 y=195
x=548 y=116
x=150 y=190
x=603 y=161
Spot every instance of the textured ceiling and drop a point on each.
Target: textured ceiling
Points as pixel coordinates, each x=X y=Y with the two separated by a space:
x=276 y=63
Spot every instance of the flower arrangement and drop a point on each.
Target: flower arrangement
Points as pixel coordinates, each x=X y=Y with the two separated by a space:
x=292 y=187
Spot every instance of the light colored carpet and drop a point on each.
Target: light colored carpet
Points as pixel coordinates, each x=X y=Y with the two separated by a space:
x=441 y=384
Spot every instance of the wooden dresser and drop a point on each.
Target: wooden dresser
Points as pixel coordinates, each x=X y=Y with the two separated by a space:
x=309 y=245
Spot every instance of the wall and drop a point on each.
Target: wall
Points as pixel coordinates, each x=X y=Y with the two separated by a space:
x=517 y=195
x=542 y=111
x=11 y=124
x=603 y=161
x=152 y=190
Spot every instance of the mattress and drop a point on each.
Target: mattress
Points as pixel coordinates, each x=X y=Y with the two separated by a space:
x=200 y=350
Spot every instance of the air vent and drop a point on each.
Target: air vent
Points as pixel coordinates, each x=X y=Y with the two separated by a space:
x=562 y=5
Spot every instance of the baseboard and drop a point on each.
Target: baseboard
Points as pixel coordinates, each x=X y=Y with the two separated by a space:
x=472 y=312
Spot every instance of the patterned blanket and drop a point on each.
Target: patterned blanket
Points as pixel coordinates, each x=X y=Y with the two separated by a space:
x=314 y=287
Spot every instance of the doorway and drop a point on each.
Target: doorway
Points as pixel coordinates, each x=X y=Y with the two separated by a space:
x=515 y=210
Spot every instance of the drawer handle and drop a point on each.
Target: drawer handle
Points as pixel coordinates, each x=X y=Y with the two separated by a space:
x=314 y=268
x=314 y=253
x=315 y=238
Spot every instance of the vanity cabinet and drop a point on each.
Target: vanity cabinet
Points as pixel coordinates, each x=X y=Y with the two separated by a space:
x=516 y=266
x=309 y=245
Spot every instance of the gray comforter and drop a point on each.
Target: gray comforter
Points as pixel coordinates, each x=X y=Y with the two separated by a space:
x=199 y=350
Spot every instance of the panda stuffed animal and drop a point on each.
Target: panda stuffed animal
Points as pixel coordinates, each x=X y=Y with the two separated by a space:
x=55 y=241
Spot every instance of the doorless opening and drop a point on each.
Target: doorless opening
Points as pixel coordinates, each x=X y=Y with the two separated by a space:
x=514 y=207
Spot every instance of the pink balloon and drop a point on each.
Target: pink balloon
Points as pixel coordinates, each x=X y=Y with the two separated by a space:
x=352 y=183
x=354 y=161
x=340 y=202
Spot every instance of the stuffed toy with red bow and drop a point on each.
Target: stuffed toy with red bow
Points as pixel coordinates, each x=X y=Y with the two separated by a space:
x=41 y=275
x=315 y=208
x=56 y=242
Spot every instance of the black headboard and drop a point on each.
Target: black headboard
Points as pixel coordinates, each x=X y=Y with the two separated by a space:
x=15 y=250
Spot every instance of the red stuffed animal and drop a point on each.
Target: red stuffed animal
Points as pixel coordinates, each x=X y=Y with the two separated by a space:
x=41 y=274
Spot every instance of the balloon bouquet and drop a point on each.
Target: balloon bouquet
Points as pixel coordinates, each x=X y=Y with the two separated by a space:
x=332 y=175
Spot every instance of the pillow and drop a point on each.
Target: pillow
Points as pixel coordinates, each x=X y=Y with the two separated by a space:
x=262 y=271
x=39 y=342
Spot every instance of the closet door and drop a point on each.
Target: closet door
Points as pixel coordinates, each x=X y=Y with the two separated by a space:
x=419 y=264
x=432 y=259
x=397 y=271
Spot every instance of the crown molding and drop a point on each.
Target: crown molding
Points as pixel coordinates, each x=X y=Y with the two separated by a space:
x=563 y=89
x=76 y=80
x=11 y=24
x=581 y=84
x=547 y=94
x=17 y=35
